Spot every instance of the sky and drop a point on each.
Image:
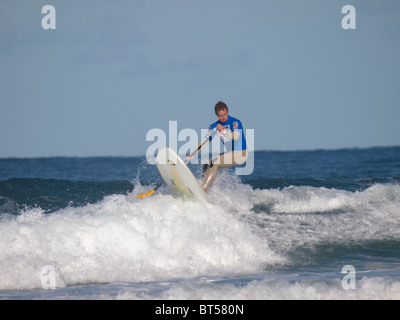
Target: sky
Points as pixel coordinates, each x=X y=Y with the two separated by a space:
x=111 y=71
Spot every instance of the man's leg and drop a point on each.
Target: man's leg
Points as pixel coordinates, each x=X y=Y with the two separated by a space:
x=224 y=160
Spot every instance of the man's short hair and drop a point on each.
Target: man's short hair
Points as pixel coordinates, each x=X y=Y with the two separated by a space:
x=220 y=106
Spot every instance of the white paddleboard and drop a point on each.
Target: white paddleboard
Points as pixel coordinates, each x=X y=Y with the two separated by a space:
x=178 y=176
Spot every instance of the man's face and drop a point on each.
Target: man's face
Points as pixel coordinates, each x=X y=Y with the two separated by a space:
x=222 y=115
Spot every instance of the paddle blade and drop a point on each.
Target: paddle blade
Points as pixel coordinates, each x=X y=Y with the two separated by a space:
x=146 y=194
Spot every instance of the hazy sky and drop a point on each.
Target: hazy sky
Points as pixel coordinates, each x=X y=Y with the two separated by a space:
x=113 y=70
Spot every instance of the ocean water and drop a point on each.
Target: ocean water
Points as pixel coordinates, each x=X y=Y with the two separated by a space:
x=321 y=224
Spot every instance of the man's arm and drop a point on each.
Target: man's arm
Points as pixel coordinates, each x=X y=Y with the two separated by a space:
x=201 y=145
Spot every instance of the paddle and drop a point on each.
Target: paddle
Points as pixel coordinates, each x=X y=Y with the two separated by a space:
x=201 y=145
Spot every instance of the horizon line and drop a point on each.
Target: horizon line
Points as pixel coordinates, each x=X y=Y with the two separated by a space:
x=144 y=156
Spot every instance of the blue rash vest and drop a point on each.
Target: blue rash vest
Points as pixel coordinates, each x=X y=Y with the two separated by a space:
x=231 y=125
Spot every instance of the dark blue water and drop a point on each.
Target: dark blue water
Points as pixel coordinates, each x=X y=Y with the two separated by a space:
x=346 y=169
x=296 y=220
x=54 y=183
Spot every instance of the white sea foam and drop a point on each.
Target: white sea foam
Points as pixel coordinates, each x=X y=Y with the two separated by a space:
x=270 y=287
x=275 y=289
x=299 y=216
x=124 y=238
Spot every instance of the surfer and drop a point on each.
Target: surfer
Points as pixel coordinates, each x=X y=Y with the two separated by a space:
x=230 y=131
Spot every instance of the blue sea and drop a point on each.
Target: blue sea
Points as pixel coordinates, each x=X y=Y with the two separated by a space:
x=321 y=224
